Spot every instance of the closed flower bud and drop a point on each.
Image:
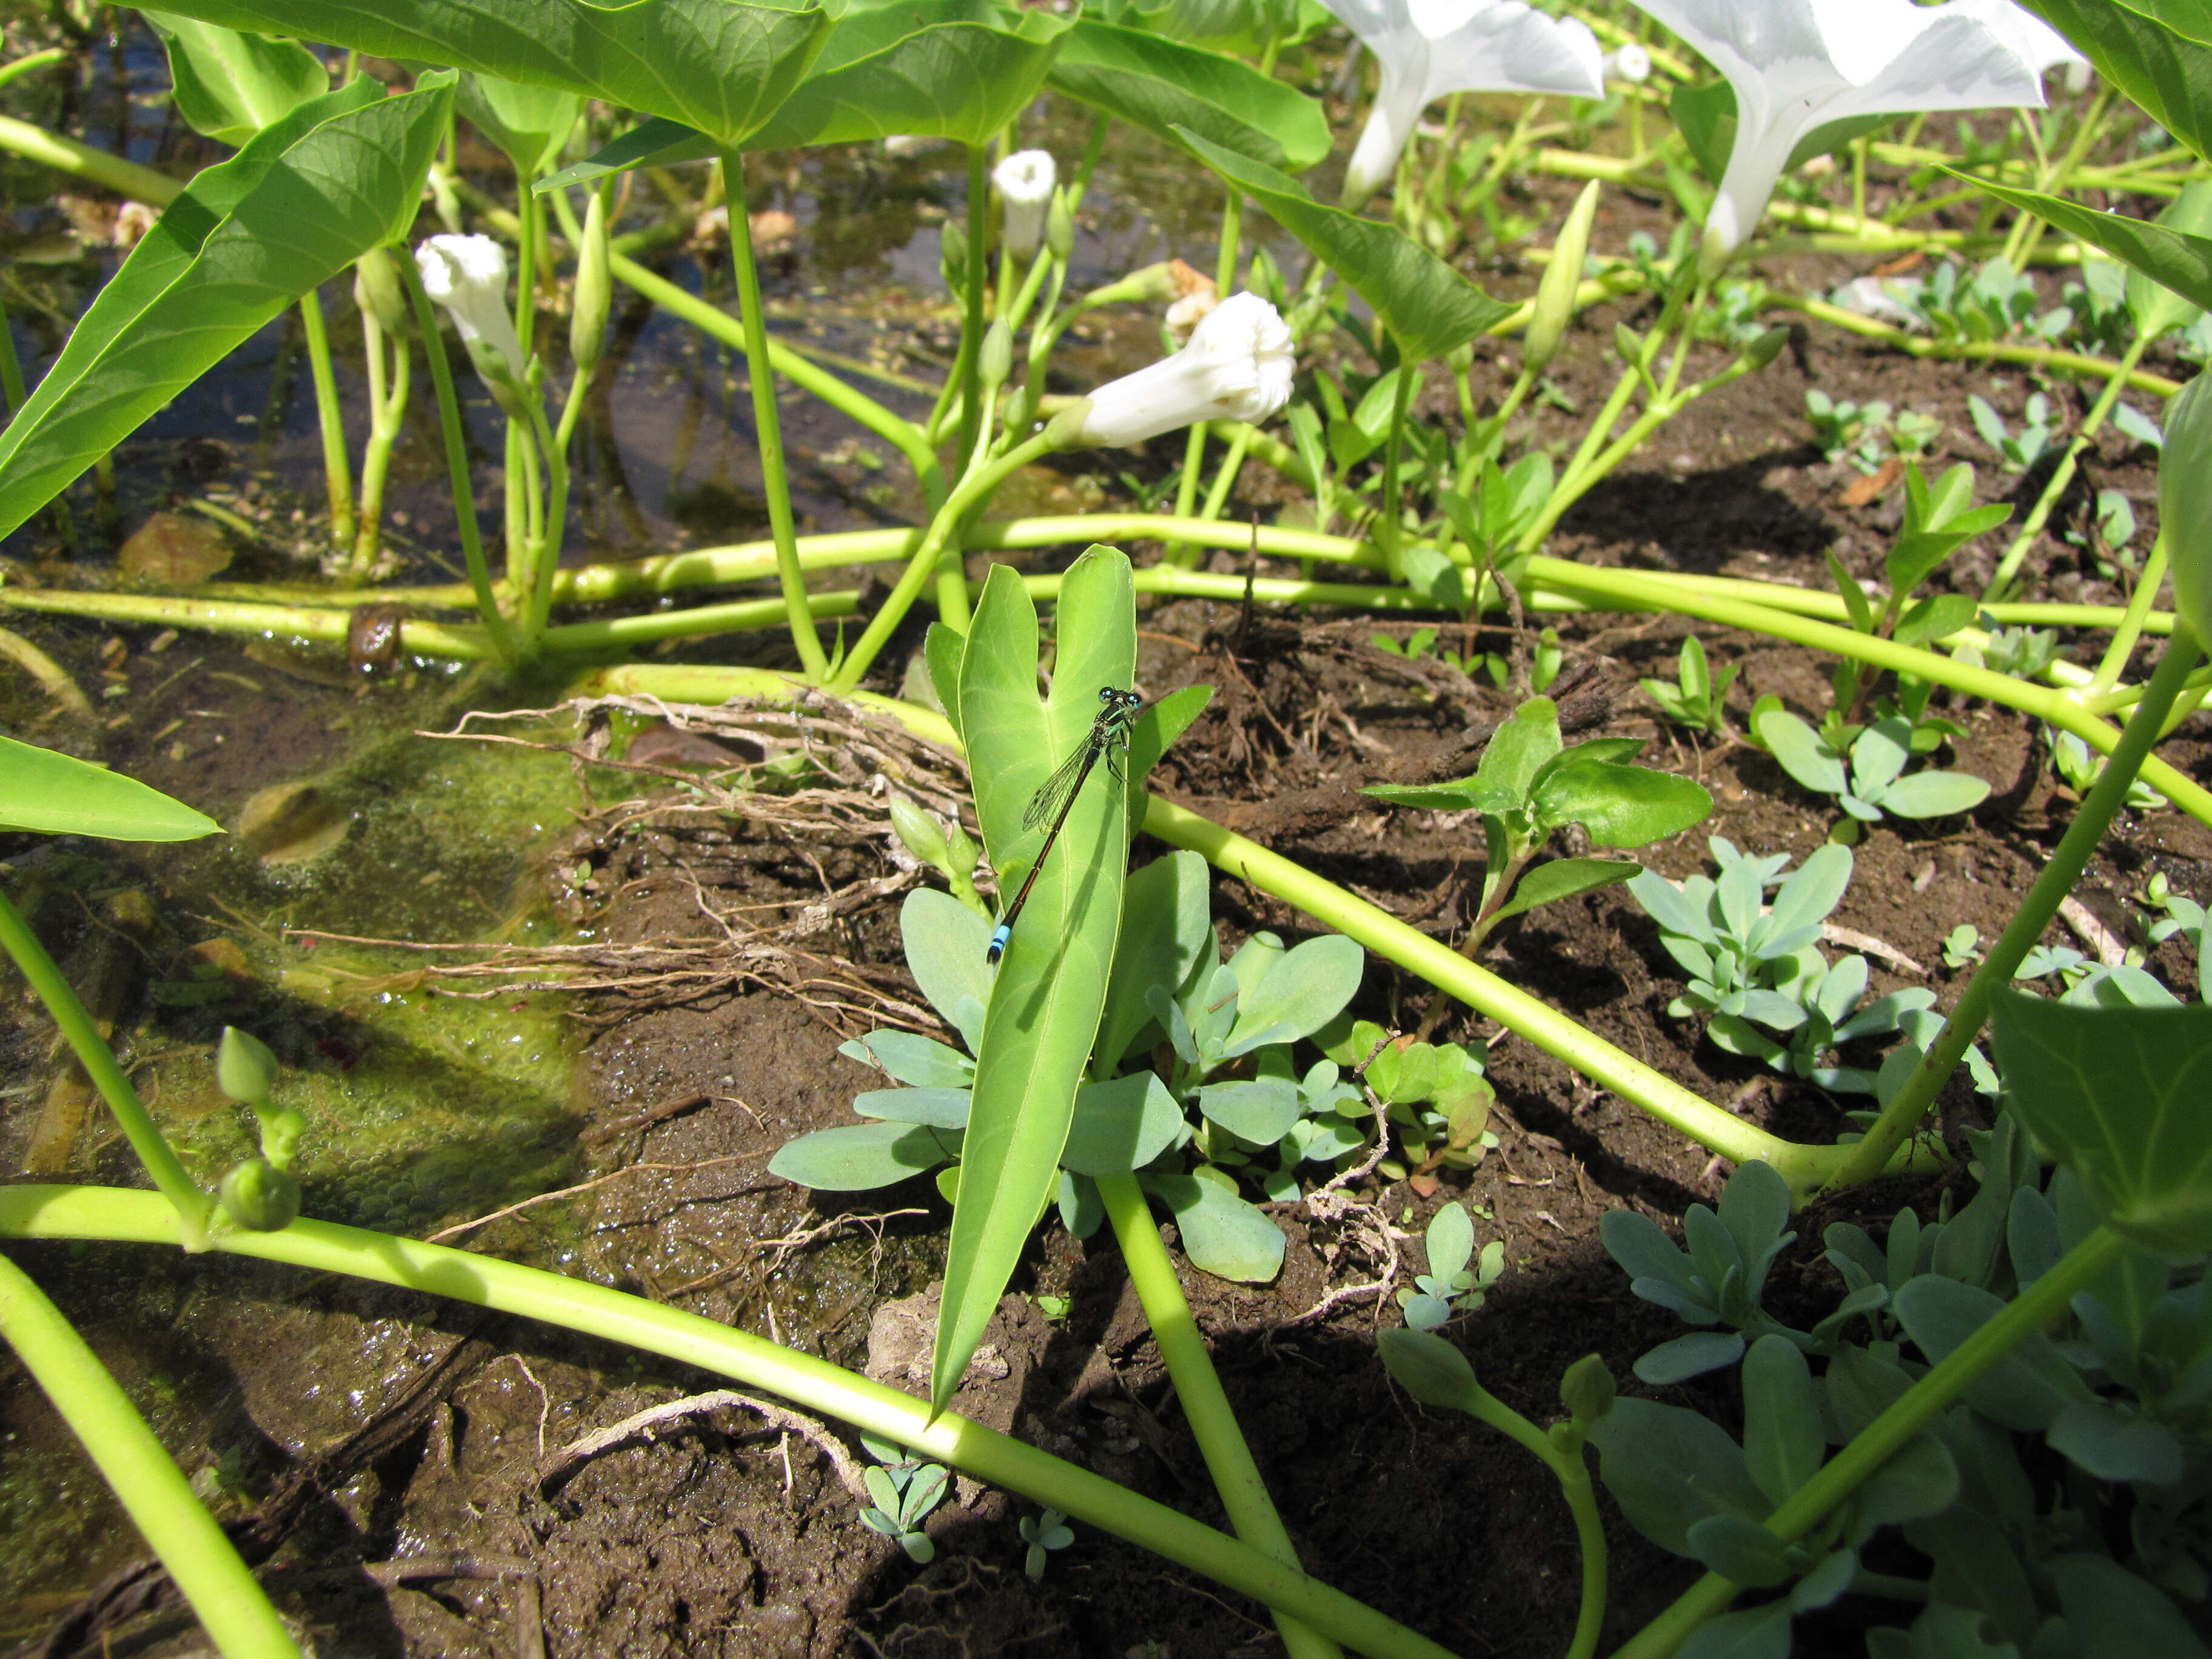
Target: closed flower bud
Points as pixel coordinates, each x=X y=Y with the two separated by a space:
x=280 y=1135
x=259 y=1197
x=1765 y=348
x=1024 y=180
x=244 y=1068
x=1555 y=295
x=1238 y=366
x=952 y=255
x=594 y=295
x=467 y=275
x=376 y=290
x=1059 y=228
x=921 y=832
x=996 y=359
x=1627 y=344
x=1428 y=1368
x=2185 y=504
x=1630 y=63
x=1587 y=1389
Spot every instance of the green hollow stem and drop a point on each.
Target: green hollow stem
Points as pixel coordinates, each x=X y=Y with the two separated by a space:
x=893 y=428
x=975 y=486
x=338 y=465
x=2003 y=351
x=230 y=1605
x=2060 y=874
x=2125 y=637
x=387 y=409
x=496 y=627
x=1198 y=1386
x=2062 y=475
x=1390 y=509
x=1193 y=449
x=768 y=423
x=192 y=1207
x=81 y=160
x=2058 y=707
x=975 y=281
x=1572 y=1470
x=416 y=636
x=121 y=1216
x=1912 y=1412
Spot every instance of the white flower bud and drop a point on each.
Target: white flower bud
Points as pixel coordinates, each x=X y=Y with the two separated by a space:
x=467 y=275
x=1024 y=181
x=1238 y=366
x=1630 y=63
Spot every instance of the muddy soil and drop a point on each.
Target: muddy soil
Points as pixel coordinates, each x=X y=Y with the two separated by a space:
x=337 y=1425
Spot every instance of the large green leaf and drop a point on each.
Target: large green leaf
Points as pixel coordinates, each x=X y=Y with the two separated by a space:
x=2156 y=308
x=1160 y=85
x=964 y=80
x=2173 y=258
x=57 y=794
x=723 y=66
x=340 y=175
x=2157 y=52
x=530 y=123
x=1051 y=984
x=2118 y=1095
x=229 y=86
x=1427 y=306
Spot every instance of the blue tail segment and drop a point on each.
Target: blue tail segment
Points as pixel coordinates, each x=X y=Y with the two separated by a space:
x=997 y=948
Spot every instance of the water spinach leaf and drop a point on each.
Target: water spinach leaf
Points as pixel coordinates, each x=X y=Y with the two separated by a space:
x=1050 y=988
x=723 y=66
x=340 y=175
x=229 y=86
x=1425 y=305
x=57 y=794
x=1159 y=84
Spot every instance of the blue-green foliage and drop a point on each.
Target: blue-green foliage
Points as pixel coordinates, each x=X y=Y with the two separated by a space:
x=1228 y=1096
x=2103 y=1561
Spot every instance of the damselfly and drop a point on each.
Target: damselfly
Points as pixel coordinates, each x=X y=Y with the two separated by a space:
x=1108 y=736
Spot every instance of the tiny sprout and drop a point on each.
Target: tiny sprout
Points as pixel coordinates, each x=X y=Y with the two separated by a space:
x=259 y=1197
x=1962 y=946
x=1587 y=1389
x=245 y=1070
x=1048 y=1531
x=1054 y=1307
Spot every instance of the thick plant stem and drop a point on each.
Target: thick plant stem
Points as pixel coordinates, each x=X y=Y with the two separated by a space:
x=1198 y=1386
x=974 y=294
x=192 y=1206
x=100 y=1213
x=1903 y=1115
x=768 y=425
x=387 y=409
x=2003 y=351
x=1572 y=1470
x=457 y=462
x=1915 y=1410
x=338 y=467
x=1805 y=1168
x=977 y=485
x=152 y=1489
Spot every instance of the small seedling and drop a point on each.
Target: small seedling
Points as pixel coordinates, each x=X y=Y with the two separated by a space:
x=905 y=1490
x=1698 y=698
x=1874 y=786
x=2080 y=769
x=1457 y=1278
x=1530 y=784
x=2023 y=653
x=1048 y=1531
x=2021 y=449
x=1962 y=946
x=1847 y=428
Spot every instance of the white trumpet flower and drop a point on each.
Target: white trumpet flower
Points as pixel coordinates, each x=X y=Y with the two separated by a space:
x=467 y=275
x=1797 y=65
x=1026 y=179
x=1238 y=366
x=1628 y=61
x=1427 y=48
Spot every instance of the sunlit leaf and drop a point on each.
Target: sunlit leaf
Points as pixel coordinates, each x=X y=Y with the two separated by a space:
x=229 y=86
x=57 y=794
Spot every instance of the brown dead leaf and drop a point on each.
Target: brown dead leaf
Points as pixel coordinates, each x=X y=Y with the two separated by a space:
x=172 y=549
x=1873 y=487
x=1899 y=265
